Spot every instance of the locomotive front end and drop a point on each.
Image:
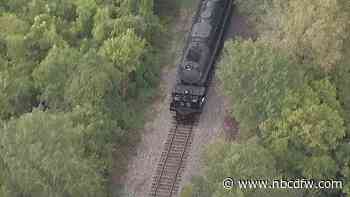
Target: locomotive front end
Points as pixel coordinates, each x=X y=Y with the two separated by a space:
x=198 y=59
x=187 y=99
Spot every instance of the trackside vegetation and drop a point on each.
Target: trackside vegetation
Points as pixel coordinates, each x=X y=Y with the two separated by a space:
x=74 y=75
x=289 y=91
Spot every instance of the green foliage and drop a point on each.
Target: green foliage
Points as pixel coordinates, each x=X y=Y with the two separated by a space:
x=310 y=127
x=53 y=75
x=342 y=155
x=42 y=36
x=43 y=154
x=302 y=115
x=312 y=31
x=341 y=78
x=102 y=24
x=101 y=133
x=85 y=11
x=200 y=187
x=242 y=162
x=166 y=8
x=317 y=33
x=253 y=74
x=13 y=25
x=17 y=93
x=255 y=10
x=124 y=51
x=279 y=84
x=95 y=81
x=187 y=191
x=84 y=62
x=146 y=8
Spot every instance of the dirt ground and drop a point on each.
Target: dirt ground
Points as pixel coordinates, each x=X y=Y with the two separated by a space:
x=142 y=166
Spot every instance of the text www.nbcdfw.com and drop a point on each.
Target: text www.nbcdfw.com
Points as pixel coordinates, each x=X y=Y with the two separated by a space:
x=229 y=183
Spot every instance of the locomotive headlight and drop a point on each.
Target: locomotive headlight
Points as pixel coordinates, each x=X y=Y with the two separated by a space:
x=194 y=100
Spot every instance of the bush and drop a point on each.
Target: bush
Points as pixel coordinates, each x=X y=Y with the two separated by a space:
x=256 y=78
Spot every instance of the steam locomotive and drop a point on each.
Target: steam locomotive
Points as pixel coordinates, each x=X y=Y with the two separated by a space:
x=197 y=62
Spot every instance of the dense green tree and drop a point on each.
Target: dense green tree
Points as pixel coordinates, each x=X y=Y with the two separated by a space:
x=317 y=33
x=103 y=24
x=241 y=162
x=13 y=24
x=312 y=31
x=95 y=81
x=166 y=8
x=17 y=93
x=54 y=74
x=101 y=133
x=343 y=159
x=309 y=129
x=125 y=52
x=341 y=78
x=256 y=79
x=301 y=111
x=42 y=154
x=84 y=63
x=85 y=11
x=43 y=35
x=146 y=8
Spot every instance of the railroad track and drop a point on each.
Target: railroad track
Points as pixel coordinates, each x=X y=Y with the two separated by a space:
x=172 y=161
x=166 y=182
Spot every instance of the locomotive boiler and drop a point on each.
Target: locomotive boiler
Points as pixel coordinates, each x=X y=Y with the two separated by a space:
x=197 y=62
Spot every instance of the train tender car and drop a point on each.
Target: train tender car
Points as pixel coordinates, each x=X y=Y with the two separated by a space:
x=195 y=68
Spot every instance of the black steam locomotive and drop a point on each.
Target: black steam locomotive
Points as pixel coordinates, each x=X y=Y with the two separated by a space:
x=203 y=44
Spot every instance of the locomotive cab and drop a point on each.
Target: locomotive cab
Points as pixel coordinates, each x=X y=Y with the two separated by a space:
x=187 y=99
